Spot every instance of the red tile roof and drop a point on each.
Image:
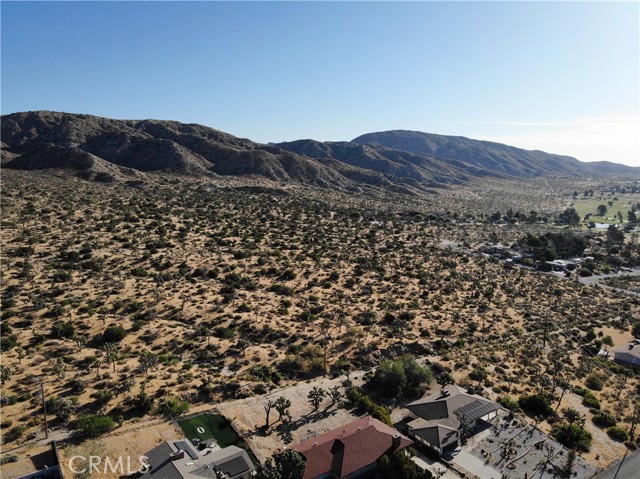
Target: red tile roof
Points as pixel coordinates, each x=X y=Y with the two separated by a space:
x=360 y=443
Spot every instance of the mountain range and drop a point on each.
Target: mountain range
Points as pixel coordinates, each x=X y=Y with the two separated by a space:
x=400 y=161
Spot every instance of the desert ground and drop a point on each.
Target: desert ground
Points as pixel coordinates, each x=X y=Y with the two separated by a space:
x=126 y=299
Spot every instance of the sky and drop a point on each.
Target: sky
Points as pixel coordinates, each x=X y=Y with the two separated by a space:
x=562 y=77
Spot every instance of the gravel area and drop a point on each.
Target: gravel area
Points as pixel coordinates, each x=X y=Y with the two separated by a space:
x=514 y=448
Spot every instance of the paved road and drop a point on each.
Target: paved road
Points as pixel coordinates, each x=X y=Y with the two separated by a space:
x=596 y=280
x=629 y=470
x=588 y=280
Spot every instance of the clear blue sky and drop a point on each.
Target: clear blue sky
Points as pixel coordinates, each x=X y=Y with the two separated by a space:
x=563 y=77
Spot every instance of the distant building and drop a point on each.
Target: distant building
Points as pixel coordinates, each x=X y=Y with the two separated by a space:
x=440 y=419
x=628 y=355
x=181 y=460
x=350 y=450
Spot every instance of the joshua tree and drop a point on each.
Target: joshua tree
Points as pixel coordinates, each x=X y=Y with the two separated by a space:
x=315 y=397
x=111 y=354
x=59 y=368
x=5 y=374
x=573 y=416
x=80 y=340
x=267 y=410
x=444 y=378
x=147 y=361
x=334 y=394
x=243 y=344
x=564 y=386
x=282 y=405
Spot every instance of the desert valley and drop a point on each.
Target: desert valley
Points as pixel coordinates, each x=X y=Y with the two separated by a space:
x=170 y=282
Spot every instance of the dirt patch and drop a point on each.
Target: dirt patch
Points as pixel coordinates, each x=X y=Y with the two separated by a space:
x=248 y=418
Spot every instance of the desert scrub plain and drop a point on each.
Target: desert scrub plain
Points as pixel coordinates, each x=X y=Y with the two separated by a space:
x=147 y=298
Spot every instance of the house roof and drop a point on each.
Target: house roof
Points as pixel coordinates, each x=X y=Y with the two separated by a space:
x=350 y=447
x=634 y=351
x=439 y=414
x=167 y=462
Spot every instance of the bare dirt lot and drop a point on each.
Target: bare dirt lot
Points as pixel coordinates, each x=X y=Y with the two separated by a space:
x=248 y=418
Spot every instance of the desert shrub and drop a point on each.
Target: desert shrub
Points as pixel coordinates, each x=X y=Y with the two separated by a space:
x=580 y=391
x=595 y=382
x=8 y=458
x=590 y=401
x=404 y=377
x=143 y=403
x=92 y=425
x=281 y=289
x=113 y=334
x=509 y=403
x=617 y=434
x=63 y=329
x=398 y=465
x=604 y=419
x=103 y=396
x=536 y=405
x=15 y=433
x=365 y=404
x=173 y=406
x=265 y=373
x=572 y=436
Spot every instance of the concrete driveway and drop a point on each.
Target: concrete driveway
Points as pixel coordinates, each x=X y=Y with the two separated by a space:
x=470 y=463
x=434 y=467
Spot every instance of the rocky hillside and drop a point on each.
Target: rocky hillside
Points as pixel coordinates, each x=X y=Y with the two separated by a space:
x=412 y=163
x=495 y=157
x=103 y=149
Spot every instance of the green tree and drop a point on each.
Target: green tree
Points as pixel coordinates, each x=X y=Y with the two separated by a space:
x=602 y=210
x=569 y=217
x=403 y=377
x=289 y=464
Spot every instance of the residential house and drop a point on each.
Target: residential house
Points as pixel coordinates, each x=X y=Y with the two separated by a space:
x=351 y=450
x=181 y=460
x=628 y=355
x=439 y=420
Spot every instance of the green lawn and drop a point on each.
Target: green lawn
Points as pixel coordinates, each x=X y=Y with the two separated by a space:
x=214 y=425
x=590 y=205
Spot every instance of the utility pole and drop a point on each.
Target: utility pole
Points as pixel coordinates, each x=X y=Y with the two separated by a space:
x=546 y=325
x=44 y=408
